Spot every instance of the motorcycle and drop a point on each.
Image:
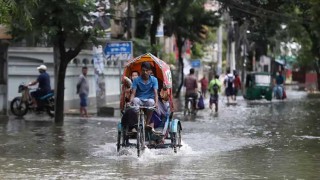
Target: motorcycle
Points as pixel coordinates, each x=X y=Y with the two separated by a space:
x=22 y=104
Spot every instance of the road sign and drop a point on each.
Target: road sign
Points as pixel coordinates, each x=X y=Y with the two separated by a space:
x=121 y=50
x=195 y=63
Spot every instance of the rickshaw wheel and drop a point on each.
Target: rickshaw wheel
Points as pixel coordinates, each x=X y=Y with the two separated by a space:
x=139 y=142
x=125 y=138
x=119 y=141
x=176 y=139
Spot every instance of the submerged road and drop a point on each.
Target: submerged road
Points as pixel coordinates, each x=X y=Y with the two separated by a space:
x=257 y=140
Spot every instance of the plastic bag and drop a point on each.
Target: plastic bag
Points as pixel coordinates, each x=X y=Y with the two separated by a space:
x=201 y=103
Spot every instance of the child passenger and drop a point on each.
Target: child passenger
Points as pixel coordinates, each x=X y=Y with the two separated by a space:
x=127 y=83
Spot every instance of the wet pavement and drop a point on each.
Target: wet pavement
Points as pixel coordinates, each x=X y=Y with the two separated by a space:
x=256 y=140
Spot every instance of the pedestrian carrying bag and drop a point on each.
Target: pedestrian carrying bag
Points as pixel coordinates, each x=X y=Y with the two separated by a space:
x=201 y=103
x=215 y=88
x=230 y=81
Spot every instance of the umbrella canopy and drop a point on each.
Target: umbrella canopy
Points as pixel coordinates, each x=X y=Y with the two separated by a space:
x=160 y=69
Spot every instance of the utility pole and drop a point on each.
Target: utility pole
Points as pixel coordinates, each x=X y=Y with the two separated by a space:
x=244 y=42
x=233 y=44
x=228 y=47
x=219 y=66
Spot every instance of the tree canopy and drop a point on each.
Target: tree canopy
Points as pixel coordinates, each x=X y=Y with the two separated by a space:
x=188 y=20
x=273 y=21
x=66 y=25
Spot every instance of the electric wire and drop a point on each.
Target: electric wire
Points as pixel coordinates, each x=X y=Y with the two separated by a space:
x=268 y=14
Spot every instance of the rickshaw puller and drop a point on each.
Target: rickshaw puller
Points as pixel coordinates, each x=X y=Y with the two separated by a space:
x=144 y=90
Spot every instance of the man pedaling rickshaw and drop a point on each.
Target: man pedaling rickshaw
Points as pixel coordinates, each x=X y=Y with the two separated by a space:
x=145 y=91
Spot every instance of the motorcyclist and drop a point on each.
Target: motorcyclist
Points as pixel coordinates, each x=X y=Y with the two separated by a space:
x=190 y=82
x=44 y=86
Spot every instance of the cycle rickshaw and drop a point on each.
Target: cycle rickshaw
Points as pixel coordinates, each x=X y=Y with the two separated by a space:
x=132 y=126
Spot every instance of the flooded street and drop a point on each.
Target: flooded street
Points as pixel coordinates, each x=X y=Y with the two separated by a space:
x=257 y=140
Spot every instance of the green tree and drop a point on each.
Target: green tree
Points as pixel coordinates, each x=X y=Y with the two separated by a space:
x=185 y=19
x=16 y=8
x=157 y=8
x=261 y=18
x=145 y=9
x=64 y=23
x=304 y=27
x=197 y=50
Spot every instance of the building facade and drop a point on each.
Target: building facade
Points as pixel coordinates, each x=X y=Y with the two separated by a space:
x=22 y=64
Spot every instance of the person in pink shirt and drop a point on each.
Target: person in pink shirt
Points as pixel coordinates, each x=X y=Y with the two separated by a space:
x=237 y=84
x=204 y=86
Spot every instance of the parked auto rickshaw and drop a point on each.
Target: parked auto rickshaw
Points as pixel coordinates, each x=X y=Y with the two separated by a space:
x=258 y=85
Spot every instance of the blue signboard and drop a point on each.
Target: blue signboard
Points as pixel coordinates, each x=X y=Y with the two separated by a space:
x=121 y=50
x=195 y=63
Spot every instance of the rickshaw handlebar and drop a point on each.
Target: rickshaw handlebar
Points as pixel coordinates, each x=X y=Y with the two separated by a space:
x=144 y=107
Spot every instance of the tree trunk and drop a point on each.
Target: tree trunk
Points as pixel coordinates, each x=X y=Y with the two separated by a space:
x=4 y=44
x=61 y=60
x=180 y=44
x=157 y=10
x=57 y=60
x=59 y=101
x=59 y=75
x=129 y=21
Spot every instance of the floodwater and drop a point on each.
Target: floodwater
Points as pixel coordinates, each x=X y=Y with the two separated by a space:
x=258 y=140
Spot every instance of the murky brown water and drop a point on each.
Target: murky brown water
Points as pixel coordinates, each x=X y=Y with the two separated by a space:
x=279 y=140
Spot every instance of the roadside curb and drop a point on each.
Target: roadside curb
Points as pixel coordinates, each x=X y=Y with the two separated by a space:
x=92 y=110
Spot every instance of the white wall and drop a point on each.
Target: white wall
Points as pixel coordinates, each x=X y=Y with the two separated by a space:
x=22 y=68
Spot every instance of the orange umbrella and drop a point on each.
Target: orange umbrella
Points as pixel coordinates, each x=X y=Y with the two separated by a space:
x=160 y=70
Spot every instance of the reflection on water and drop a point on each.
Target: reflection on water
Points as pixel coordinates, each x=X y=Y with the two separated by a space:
x=278 y=140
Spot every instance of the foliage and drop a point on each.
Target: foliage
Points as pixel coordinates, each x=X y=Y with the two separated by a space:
x=261 y=18
x=68 y=25
x=146 y=9
x=186 y=18
x=53 y=17
x=169 y=58
x=266 y=17
x=142 y=46
x=211 y=35
x=197 y=50
x=304 y=27
x=16 y=8
x=5 y=7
